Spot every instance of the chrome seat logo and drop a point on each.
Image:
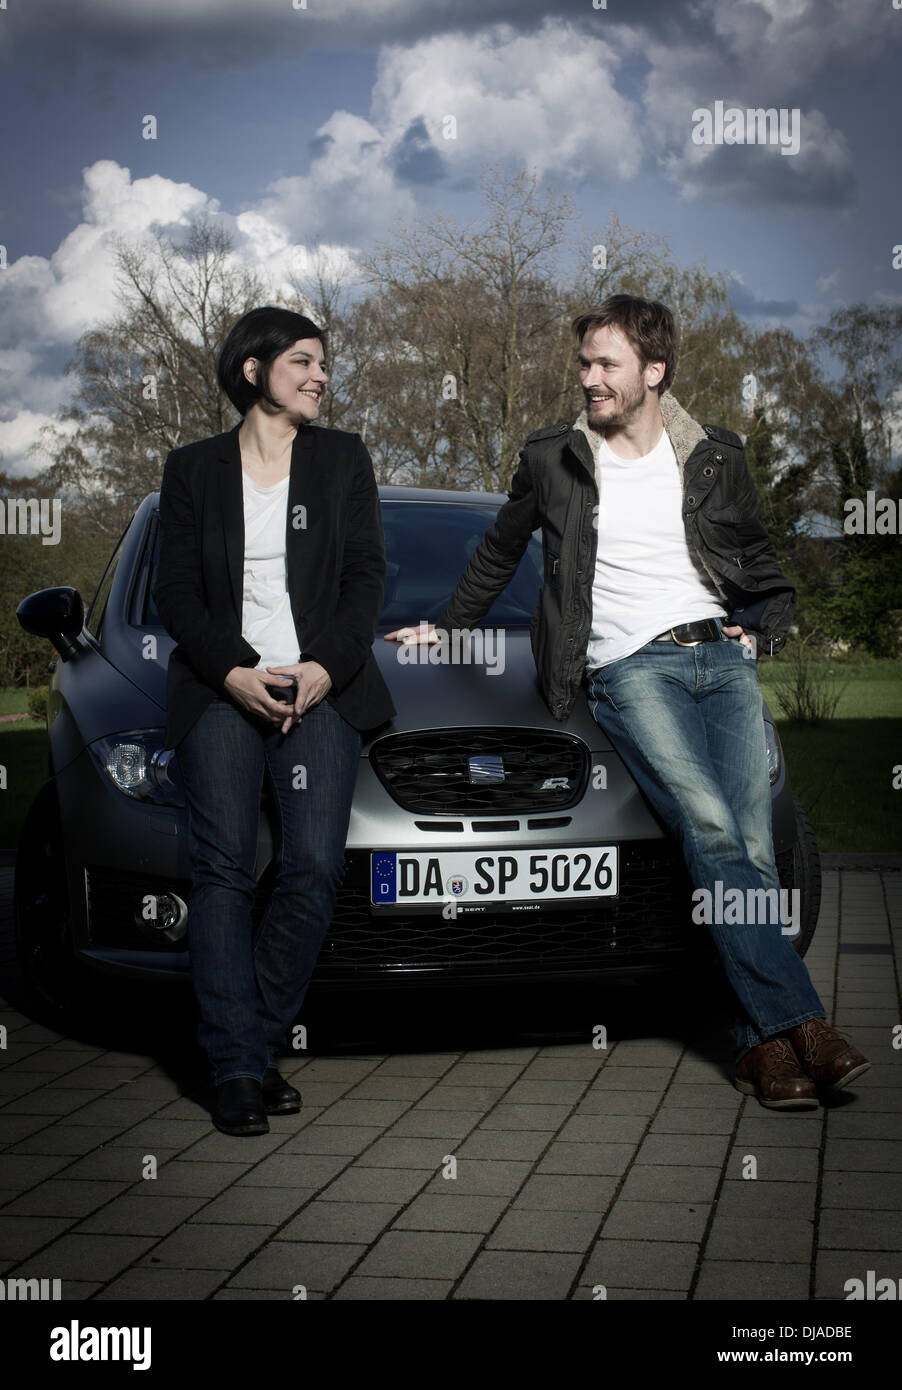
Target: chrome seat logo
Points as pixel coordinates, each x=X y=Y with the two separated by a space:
x=485 y=769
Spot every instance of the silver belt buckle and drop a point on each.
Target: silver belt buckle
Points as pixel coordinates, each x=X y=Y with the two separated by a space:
x=676 y=639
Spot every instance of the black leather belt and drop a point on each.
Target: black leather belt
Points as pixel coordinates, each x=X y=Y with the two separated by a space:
x=691 y=634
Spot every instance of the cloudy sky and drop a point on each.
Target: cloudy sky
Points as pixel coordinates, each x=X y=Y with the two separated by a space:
x=321 y=121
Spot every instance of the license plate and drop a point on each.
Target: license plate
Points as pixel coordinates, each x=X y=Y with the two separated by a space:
x=475 y=877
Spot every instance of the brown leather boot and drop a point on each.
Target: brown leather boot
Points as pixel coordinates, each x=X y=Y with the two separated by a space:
x=826 y=1055
x=772 y=1072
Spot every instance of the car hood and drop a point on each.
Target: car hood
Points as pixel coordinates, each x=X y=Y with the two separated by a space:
x=502 y=689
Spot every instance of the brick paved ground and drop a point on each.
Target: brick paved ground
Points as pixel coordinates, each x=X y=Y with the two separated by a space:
x=575 y=1167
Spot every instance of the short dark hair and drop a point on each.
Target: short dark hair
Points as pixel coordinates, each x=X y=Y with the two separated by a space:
x=262 y=333
x=648 y=326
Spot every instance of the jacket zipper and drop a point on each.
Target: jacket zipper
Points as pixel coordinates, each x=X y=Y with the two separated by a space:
x=567 y=691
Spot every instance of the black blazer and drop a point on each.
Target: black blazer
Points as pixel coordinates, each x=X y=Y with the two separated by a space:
x=335 y=571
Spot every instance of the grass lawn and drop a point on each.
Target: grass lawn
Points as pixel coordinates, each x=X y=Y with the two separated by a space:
x=24 y=748
x=842 y=772
x=13 y=700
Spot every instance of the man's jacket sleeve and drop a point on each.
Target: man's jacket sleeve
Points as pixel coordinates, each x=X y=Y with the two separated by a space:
x=768 y=615
x=494 y=562
x=179 y=589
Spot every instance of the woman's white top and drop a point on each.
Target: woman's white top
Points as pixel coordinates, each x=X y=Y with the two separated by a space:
x=266 y=620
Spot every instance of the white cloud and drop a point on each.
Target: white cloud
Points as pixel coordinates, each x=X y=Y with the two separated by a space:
x=545 y=99
x=22 y=380
x=54 y=300
x=262 y=243
x=350 y=193
x=17 y=436
x=48 y=302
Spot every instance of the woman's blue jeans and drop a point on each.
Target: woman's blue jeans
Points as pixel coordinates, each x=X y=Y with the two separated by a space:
x=687 y=722
x=249 y=989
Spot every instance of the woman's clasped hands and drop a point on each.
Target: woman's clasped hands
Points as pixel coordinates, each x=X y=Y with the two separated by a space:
x=249 y=686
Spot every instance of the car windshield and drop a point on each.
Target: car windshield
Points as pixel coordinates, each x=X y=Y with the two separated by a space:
x=427 y=548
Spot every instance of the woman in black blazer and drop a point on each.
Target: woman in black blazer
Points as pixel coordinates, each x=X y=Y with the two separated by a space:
x=271 y=577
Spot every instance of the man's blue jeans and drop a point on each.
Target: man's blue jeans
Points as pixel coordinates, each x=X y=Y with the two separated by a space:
x=250 y=990
x=687 y=722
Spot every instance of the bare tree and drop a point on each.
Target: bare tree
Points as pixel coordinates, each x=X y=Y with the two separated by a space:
x=708 y=381
x=323 y=293
x=467 y=361
x=147 y=379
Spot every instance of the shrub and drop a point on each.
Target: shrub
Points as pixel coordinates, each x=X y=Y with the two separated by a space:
x=37 y=701
x=805 y=690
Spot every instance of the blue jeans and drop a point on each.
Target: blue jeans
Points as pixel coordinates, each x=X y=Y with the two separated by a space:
x=249 y=990
x=687 y=722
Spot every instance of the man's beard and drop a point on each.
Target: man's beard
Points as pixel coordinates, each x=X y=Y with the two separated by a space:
x=630 y=406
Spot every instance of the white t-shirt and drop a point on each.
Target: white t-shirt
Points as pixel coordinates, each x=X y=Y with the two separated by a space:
x=645 y=580
x=266 y=620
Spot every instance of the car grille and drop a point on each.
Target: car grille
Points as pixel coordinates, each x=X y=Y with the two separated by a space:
x=645 y=921
x=648 y=922
x=432 y=772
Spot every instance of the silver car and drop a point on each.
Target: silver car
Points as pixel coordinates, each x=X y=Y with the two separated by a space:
x=486 y=841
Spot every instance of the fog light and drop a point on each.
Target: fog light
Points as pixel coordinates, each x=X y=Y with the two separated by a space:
x=162 y=914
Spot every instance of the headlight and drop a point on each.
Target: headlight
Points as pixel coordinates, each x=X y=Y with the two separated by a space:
x=774 y=754
x=138 y=765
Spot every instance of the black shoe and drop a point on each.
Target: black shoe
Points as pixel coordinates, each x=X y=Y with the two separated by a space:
x=278 y=1097
x=239 y=1108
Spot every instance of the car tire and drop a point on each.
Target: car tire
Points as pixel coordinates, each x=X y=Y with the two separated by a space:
x=56 y=982
x=800 y=867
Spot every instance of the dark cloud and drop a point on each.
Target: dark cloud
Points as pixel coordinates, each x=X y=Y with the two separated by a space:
x=749 y=306
x=415 y=158
x=759 y=176
x=319 y=144
x=238 y=31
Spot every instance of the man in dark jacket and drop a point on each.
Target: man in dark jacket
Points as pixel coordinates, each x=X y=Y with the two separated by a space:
x=661 y=585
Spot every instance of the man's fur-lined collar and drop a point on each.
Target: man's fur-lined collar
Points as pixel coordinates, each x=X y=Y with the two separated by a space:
x=685 y=433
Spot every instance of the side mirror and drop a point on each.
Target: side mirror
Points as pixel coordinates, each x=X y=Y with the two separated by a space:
x=57 y=614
